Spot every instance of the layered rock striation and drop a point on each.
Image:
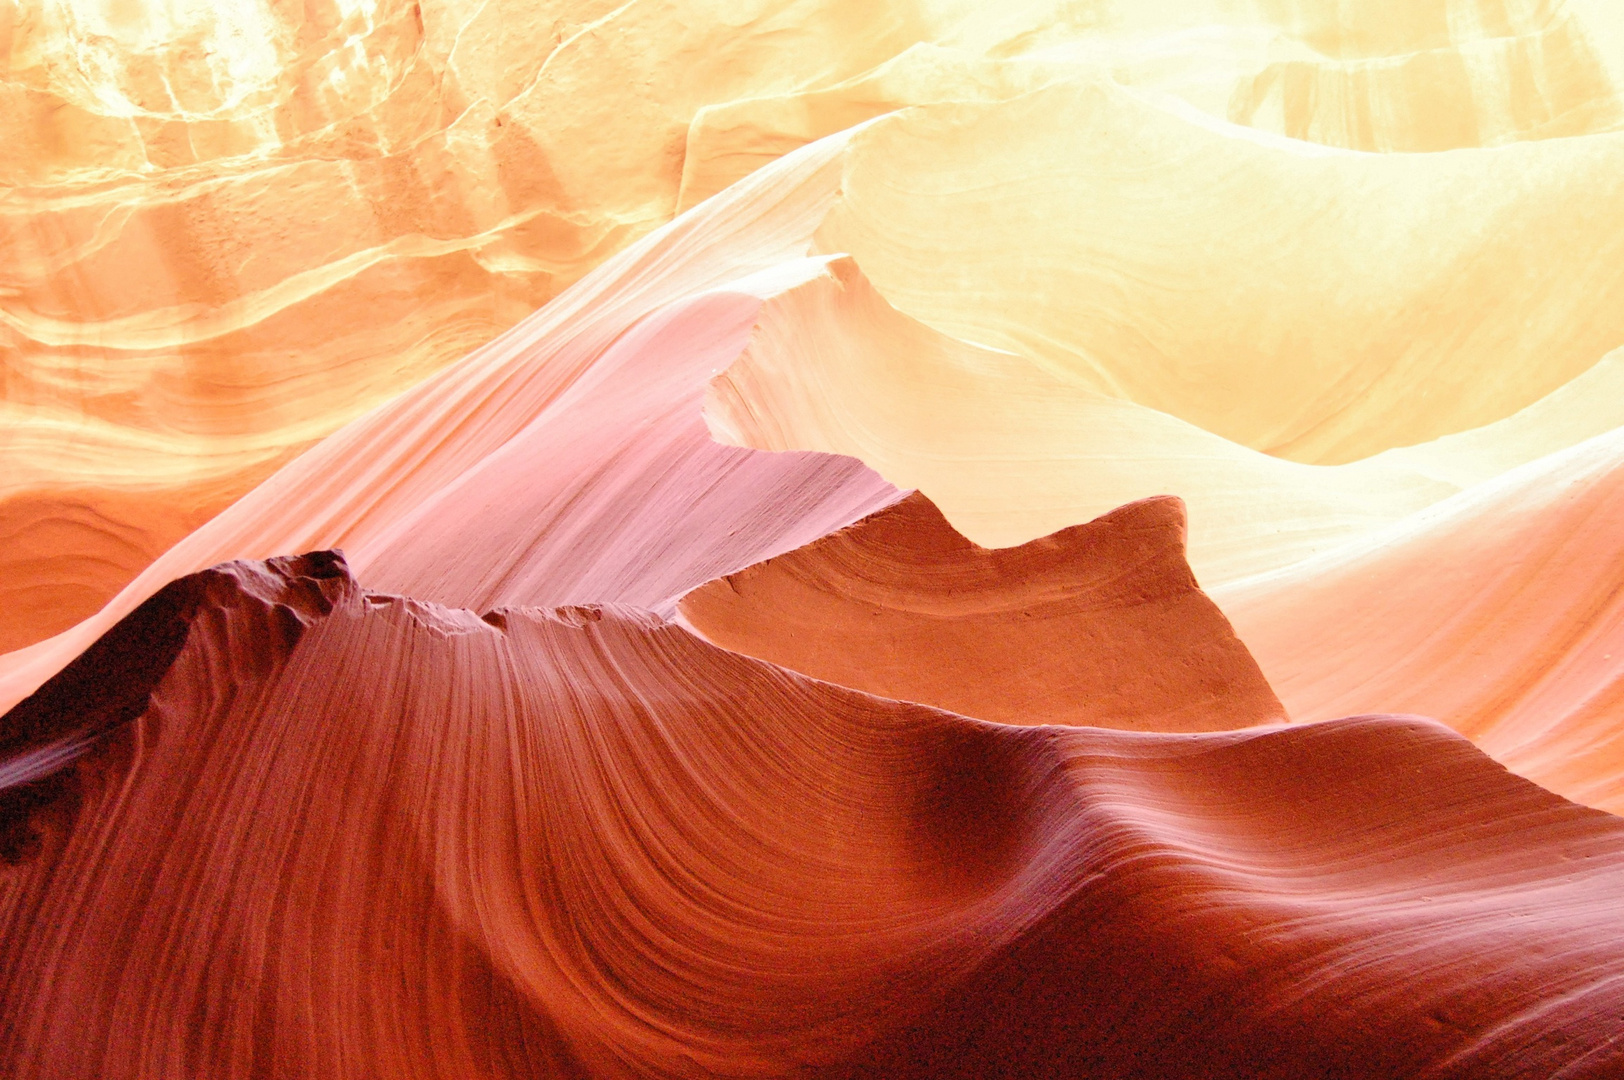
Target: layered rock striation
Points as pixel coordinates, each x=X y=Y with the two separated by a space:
x=328 y=831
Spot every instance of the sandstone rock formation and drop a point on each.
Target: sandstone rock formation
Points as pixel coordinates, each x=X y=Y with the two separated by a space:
x=1043 y=539
x=415 y=840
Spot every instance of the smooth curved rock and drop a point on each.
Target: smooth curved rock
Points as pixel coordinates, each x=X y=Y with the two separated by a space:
x=1317 y=304
x=631 y=325
x=229 y=229
x=1500 y=612
x=569 y=461
x=409 y=839
x=1101 y=624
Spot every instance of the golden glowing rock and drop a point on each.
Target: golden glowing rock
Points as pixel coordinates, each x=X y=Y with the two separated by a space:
x=229 y=228
x=1322 y=306
x=1258 y=371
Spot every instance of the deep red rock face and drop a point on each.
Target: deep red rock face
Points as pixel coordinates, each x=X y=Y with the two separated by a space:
x=1100 y=624
x=318 y=831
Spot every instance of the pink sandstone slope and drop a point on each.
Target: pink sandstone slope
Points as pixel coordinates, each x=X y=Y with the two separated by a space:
x=411 y=840
x=228 y=229
x=568 y=461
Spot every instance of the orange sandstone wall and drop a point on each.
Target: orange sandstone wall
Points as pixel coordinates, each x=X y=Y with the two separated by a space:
x=811 y=539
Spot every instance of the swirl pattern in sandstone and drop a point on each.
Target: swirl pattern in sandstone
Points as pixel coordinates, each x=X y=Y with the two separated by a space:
x=1101 y=624
x=1039 y=539
x=411 y=840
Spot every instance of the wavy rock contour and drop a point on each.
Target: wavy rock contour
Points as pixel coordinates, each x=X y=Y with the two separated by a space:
x=577 y=818
x=811 y=394
x=1101 y=624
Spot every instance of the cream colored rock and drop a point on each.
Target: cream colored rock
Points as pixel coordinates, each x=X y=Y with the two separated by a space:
x=1315 y=304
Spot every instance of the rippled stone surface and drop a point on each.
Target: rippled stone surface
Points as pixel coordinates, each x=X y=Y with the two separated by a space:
x=410 y=839
x=1037 y=539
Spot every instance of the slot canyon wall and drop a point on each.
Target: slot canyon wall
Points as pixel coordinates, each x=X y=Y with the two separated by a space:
x=812 y=538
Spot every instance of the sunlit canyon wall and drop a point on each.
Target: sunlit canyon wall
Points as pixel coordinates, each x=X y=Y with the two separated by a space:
x=824 y=539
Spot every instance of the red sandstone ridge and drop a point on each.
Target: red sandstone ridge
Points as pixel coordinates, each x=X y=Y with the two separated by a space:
x=1099 y=624
x=328 y=832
